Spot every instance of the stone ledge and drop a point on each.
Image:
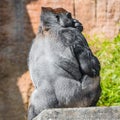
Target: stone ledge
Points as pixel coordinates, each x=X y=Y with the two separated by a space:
x=89 y=113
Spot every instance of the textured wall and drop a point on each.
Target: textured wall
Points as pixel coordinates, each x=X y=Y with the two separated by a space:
x=16 y=34
x=89 y=113
x=97 y=16
x=19 y=21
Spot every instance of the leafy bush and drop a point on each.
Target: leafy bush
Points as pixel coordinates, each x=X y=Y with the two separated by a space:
x=108 y=52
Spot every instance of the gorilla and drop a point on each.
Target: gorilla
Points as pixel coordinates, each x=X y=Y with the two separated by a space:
x=63 y=69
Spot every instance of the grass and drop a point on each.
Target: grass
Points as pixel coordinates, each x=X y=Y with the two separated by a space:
x=108 y=52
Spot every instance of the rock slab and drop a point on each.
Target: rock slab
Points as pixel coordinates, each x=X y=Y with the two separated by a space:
x=89 y=113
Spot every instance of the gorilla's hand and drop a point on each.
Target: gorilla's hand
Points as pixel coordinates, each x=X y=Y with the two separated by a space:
x=78 y=25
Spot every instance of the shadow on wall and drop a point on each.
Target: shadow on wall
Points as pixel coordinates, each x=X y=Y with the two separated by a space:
x=16 y=35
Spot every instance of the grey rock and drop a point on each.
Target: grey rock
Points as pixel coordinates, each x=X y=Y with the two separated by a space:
x=89 y=113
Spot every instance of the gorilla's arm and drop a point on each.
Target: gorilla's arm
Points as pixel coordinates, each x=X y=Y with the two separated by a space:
x=89 y=64
x=78 y=25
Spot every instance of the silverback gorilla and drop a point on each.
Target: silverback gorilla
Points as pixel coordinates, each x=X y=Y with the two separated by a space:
x=63 y=69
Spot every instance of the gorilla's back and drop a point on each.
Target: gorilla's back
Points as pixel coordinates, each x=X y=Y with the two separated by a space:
x=49 y=59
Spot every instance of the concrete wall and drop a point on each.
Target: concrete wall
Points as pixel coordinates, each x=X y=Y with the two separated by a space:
x=90 y=113
x=97 y=16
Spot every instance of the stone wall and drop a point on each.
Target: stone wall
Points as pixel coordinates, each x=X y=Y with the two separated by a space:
x=97 y=16
x=19 y=21
x=90 y=113
x=16 y=34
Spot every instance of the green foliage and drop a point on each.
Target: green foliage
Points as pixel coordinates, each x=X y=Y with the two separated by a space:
x=108 y=52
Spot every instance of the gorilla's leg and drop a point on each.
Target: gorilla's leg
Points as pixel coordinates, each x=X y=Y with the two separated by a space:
x=67 y=91
x=73 y=93
x=42 y=98
x=91 y=89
